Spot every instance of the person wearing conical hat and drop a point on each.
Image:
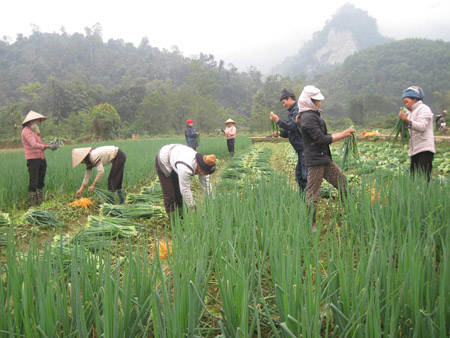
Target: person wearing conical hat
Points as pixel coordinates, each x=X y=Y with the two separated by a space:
x=230 y=135
x=175 y=164
x=191 y=135
x=34 y=154
x=99 y=158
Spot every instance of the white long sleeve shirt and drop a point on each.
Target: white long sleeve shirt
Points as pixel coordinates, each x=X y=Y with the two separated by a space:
x=181 y=159
x=421 y=130
x=99 y=157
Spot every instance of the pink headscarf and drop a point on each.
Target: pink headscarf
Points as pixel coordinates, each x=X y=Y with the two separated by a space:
x=305 y=103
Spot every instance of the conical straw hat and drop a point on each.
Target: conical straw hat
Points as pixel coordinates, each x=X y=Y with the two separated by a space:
x=78 y=155
x=229 y=121
x=32 y=115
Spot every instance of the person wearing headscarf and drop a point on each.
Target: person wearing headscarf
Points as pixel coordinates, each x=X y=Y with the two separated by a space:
x=291 y=130
x=175 y=164
x=317 y=140
x=230 y=135
x=419 y=120
x=99 y=158
x=191 y=135
x=34 y=154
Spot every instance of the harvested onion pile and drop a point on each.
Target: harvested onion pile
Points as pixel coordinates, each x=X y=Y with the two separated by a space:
x=82 y=203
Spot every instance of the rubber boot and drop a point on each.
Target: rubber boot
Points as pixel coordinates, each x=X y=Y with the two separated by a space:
x=121 y=195
x=39 y=196
x=231 y=153
x=32 y=198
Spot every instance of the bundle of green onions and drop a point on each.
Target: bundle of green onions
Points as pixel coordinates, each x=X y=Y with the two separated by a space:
x=56 y=141
x=106 y=196
x=400 y=129
x=155 y=190
x=4 y=219
x=350 y=146
x=64 y=247
x=133 y=211
x=41 y=217
x=142 y=198
x=125 y=227
x=4 y=223
x=274 y=126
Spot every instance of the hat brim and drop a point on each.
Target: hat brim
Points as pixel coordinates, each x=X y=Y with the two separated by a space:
x=78 y=155
x=318 y=97
x=32 y=116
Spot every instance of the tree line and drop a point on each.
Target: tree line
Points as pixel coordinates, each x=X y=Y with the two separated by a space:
x=78 y=80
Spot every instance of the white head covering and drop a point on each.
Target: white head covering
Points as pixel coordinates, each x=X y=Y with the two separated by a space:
x=78 y=155
x=308 y=93
x=229 y=121
x=32 y=115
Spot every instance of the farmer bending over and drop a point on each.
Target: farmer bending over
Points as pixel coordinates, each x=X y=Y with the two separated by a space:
x=99 y=158
x=175 y=165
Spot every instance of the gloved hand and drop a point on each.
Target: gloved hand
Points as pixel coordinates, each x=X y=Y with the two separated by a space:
x=53 y=147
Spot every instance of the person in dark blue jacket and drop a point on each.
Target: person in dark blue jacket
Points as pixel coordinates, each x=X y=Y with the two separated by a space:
x=293 y=133
x=191 y=135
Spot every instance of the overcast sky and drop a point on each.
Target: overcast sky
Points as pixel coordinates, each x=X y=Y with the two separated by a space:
x=242 y=32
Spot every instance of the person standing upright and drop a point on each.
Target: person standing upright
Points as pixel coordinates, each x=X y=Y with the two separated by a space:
x=317 y=142
x=288 y=101
x=230 y=135
x=191 y=135
x=34 y=154
x=419 y=120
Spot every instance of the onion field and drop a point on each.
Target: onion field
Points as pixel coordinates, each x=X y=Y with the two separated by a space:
x=245 y=262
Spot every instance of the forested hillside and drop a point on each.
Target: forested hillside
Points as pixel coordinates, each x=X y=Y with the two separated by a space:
x=370 y=83
x=153 y=91
x=78 y=81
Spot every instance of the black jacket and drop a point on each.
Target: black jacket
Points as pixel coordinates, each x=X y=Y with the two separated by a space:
x=294 y=134
x=316 y=140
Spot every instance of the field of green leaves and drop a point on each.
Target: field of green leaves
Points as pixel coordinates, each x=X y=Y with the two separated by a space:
x=245 y=263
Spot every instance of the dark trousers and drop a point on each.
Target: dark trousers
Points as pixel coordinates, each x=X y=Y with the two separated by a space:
x=37 y=168
x=301 y=172
x=170 y=188
x=230 y=145
x=115 y=178
x=422 y=163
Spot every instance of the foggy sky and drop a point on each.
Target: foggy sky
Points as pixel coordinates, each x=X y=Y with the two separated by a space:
x=244 y=33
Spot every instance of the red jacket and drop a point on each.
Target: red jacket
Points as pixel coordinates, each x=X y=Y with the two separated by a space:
x=32 y=143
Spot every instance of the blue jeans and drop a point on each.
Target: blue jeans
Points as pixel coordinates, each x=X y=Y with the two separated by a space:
x=301 y=172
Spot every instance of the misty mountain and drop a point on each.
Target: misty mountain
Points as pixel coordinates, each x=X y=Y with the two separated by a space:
x=349 y=31
x=373 y=79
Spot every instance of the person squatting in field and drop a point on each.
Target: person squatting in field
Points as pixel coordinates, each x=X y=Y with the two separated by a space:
x=230 y=135
x=34 y=154
x=175 y=164
x=99 y=158
x=317 y=150
x=291 y=130
x=419 y=120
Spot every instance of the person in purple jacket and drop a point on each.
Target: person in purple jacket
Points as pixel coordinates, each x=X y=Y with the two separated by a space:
x=419 y=120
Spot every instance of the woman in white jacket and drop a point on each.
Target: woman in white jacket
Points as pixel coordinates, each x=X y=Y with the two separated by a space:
x=419 y=120
x=175 y=164
x=99 y=158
